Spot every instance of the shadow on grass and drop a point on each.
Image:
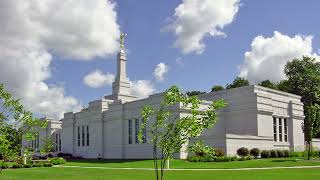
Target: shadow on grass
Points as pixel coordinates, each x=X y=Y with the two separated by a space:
x=106 y=160
x=286 y=160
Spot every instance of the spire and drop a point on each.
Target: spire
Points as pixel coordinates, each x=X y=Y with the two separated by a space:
x=121 y=85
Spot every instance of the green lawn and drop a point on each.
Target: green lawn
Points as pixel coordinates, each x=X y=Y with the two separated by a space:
x=61 y=173
x=184 y=164
x=92 y=174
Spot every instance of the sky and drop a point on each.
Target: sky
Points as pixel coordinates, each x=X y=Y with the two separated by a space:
x=59 y=55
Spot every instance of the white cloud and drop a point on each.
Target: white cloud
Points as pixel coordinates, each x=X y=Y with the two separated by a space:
x=160 y=71
x=268 y=56
x=196 y=19
x=33 y=31
x=142 y=88
x=97 y=79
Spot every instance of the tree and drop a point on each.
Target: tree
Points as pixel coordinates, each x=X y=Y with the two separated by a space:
x=13 y=116
x=168 y=129
x=217 y=88
x=194 y=93
x=268 y=84
x=304 y=79
x=238 y=82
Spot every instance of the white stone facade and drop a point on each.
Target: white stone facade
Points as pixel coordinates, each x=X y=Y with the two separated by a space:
x=255 y=117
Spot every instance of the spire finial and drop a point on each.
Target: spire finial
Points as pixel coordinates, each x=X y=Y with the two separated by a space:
x=122 y=36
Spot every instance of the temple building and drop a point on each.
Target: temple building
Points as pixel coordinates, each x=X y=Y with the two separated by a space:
x=255 y=117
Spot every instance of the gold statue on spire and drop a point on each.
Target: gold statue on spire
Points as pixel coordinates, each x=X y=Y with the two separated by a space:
x=122 y=36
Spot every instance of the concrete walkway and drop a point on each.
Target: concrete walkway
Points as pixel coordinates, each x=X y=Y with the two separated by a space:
x=151 y=169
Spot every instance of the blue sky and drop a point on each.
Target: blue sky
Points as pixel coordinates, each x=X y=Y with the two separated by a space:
x=148 y=44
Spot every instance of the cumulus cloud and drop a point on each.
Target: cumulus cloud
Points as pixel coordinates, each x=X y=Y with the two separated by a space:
x=196 y=19
x=97 y=79
x=142 y=88
x=34 y=31
x=268 y=56
x=160 y=71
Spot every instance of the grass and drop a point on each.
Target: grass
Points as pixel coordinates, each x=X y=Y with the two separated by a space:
x=92 y=174
x=287 y=162
x=62 y=173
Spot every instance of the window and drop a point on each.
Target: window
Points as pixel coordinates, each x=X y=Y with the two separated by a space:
x=274 y=129
x=136 y=125
x=83 y=135
x=87 y=135
x=285 y=124
x=280 y=129
x=78 y=135
x=130 y=131
x=59 y=143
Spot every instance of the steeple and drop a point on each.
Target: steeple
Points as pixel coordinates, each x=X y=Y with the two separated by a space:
x=121 y=85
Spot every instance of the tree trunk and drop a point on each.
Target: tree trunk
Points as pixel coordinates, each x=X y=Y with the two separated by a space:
x=168 y=164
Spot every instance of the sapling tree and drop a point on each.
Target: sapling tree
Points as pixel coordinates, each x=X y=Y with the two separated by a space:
x=178 y=119
x=12 y=117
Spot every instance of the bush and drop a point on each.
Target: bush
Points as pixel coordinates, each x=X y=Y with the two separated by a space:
x=200 y=149
x=57 y=161
x=274 y=153
x=280 y=153
x=255 y=152
x=4 y=165
x=37 y=165
x=19 y=160
x=219 y=152
x=286 y=153
x=27 y=166
x=265 y=154
x=47 y=164
x=243 y=152
x=296 y=154
x=65 y=155
x=16 y=166
x=212 y=159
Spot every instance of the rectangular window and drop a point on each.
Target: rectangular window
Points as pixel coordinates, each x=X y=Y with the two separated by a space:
x=83 y=140
x=285 y=123
x=59 y=143
x=78 y=135
x=280 y=129
x=130 y=131
x=136 y=128
x=87 y=135
x=274 y=129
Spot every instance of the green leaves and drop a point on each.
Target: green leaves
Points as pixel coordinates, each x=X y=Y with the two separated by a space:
x=179 y=118
x=15 y=122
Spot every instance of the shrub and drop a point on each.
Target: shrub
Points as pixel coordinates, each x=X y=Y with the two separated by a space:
x=37 y=165
x=19 y=160
x=4 y=165
x=27 y=166
x=274 y=153
x=16 y=166
x=243 y=152
x=255 y=152
x=265 y=154
x=218 y=152
x=280 y=153
x=212 y=159
x=47 y=164
x=200 y=149
x=65 y=155
x=57 y=161
x=296 y=154
x=286 y=153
